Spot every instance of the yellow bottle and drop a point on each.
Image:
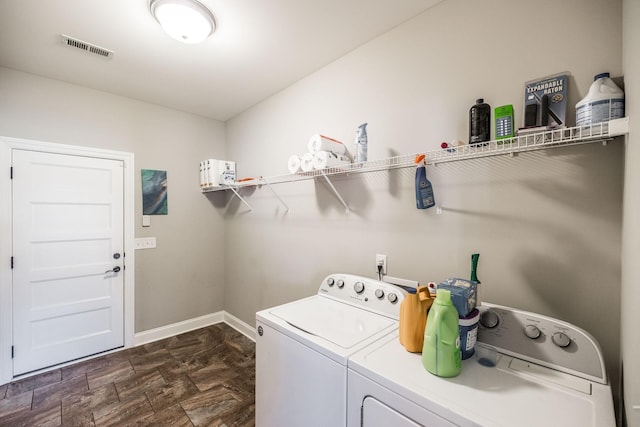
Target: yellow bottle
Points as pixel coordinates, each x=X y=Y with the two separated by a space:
x=413 y=318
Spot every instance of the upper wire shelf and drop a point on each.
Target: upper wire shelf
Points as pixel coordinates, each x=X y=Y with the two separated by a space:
x=603 y=131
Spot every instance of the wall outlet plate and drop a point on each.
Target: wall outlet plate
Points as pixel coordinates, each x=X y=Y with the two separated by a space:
x=381 y=260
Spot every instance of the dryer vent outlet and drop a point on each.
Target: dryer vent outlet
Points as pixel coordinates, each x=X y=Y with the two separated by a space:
x=86 y=46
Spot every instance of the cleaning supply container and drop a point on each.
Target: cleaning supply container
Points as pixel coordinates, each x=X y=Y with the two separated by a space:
x=464 y=294
x=479 y=122
x=441 y=351
x=413 y=318
x=604 y=101
x=362 y=141
x=468 y=326
x=424 y=191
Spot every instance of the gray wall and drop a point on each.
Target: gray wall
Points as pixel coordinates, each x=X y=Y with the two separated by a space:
x=630 y=339
x=183 y=277
x=547 y=224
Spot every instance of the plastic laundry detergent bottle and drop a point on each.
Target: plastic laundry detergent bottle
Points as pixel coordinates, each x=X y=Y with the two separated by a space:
x=413 y=318
x=441 y=351
x=605 y=101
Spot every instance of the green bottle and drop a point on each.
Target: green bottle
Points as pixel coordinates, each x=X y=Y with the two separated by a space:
x=441 y=350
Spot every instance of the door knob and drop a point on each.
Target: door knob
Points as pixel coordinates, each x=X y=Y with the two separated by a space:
x=114 y=270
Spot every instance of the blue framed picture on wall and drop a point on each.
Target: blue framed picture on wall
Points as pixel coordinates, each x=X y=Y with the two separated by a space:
x=154 y=192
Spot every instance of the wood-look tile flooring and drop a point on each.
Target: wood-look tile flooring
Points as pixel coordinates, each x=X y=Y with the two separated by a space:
x=204 y=377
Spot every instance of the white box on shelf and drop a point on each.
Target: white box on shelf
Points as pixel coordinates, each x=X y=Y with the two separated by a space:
x=211 y=173
x=226 y=172
x=216 y=173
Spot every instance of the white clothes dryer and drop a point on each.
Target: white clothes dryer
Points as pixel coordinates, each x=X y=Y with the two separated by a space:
x=302 y=349
x=547 y=373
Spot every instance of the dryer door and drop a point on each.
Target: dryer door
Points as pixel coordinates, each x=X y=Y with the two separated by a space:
x=377 y=414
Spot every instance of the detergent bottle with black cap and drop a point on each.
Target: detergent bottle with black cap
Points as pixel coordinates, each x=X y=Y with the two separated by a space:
x=480 y=122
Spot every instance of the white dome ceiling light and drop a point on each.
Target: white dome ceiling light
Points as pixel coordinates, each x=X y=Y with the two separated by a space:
x=188 y=21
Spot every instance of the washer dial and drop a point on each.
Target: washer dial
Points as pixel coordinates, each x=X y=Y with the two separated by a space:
x=532 y=331
x=489 y=319
x=358 y=287
x=561 y=339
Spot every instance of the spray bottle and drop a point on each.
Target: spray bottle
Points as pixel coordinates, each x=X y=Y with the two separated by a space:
x=424 y=192
x=361 y=144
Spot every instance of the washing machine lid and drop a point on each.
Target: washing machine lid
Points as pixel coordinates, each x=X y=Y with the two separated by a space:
x=505 y=395
x=339 y=323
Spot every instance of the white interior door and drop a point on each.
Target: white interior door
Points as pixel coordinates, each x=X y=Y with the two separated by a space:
x=68 y=240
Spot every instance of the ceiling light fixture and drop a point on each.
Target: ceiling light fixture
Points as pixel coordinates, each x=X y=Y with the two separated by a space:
x=188 y=21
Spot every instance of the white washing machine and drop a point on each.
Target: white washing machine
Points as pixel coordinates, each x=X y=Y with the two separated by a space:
x=548 y=373
x=302 y=349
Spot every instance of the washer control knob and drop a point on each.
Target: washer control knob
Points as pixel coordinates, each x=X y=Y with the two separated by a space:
x=489 y=319
x=561 y=339
x=532 y=331
x=340 y=283
x=379 y=293
x=330 y=281
x=393 y=298
x=358 y=287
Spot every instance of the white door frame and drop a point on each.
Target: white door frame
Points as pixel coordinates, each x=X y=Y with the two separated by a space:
x=6 y=308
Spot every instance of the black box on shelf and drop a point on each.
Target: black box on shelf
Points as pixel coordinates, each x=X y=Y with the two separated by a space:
x=545 y=101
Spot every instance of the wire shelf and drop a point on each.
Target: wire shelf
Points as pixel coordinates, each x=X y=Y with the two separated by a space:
x=604 y=131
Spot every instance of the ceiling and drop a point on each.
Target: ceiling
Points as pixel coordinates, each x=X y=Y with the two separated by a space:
x=259 y=47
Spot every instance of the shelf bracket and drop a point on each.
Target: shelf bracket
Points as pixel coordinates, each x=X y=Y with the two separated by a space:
x=241 y=198
x=335 y=192
x=276 y=194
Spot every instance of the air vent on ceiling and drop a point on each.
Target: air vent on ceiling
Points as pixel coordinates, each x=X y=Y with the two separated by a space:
x=87 y=47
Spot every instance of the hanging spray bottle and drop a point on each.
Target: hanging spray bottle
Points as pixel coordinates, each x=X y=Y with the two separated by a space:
x=424 y=192
x=361 y=144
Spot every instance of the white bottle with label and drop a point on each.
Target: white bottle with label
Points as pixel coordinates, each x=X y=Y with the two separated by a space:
x=360 y=152
x=605 y=101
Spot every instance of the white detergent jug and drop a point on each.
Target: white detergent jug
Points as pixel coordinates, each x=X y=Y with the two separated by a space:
x=605 y=101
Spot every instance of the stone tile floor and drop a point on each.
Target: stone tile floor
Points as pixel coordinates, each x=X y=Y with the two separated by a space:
x=204 y=377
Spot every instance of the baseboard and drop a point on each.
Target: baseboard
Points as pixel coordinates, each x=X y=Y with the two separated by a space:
x=240 y=326
x=191 y=324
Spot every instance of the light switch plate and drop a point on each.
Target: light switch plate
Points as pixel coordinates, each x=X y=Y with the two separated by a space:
x=146 y=220
x=145 y=243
